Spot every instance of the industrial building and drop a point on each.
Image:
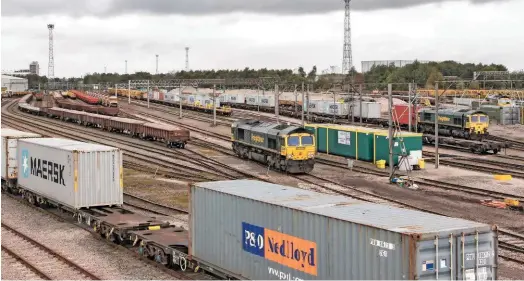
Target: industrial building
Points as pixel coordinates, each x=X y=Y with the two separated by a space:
x=34 y=68
x=14 y=84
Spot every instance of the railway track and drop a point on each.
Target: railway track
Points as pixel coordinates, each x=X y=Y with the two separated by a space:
x=315 y=179
x=515 y=144
x=198 y=169
x=513 y=243
x=481 y=164
x=153 y=207
x=60 y=216
x=40 y=259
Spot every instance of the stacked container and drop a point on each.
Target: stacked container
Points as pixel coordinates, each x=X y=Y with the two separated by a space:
x=504 y=115
x=71 y=173
x=9 y=163
x=264 y=231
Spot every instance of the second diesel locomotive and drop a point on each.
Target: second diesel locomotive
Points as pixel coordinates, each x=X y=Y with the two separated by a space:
x=463 y=123
x=283 y=147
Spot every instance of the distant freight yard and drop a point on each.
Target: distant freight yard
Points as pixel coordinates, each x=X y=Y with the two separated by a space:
x=422 y=179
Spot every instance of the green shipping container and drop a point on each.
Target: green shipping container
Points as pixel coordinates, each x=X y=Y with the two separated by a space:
x=361 y=143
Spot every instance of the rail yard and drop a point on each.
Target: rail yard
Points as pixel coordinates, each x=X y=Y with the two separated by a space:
x=170 y=182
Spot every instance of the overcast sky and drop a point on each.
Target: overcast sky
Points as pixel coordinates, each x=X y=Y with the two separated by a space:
x=91 y=34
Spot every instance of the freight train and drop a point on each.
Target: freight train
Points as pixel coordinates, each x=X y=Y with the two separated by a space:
x=283 y=147
x=171 y=136
x=265 y=231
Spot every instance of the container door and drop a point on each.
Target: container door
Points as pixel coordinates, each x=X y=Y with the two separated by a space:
x=468 y=257
x=435 y=259
x=12 y=163
x=476 y=257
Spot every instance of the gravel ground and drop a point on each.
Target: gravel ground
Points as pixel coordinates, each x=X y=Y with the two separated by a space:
x=12 y=269
x=77 y=244
x=515 y=132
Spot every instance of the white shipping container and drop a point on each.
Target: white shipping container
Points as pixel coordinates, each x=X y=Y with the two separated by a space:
x=236 y=98
x=261 y=231
x=338 y=108
x=74 y=174
x=9 y=163
x=371 y=110
x=266 y=100
x=315 y=106
x=252 y=100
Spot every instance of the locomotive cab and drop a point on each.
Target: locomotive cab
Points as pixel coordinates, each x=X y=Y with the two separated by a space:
x=478 y=123
x=299 y=146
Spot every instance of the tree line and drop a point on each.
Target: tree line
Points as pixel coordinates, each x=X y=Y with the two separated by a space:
x=423 y=74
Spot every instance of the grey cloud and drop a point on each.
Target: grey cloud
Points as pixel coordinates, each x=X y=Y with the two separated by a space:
x=104 y=8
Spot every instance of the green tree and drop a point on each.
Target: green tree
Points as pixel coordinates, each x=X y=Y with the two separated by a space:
x=301 y=72
x=312 y=74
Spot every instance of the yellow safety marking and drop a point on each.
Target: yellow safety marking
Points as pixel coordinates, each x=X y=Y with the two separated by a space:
x=121 y=177
x=503 y=177
x=356 y=146
x=327 y=140
x=374 y=149
x=156 y=227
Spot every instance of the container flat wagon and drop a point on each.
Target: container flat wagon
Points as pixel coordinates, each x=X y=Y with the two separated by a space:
x=278 y=232
x=70 y=173
x=82 y=179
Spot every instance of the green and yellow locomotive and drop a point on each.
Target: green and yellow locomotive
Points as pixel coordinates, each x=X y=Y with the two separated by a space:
x=286 y=148
x=462 y=123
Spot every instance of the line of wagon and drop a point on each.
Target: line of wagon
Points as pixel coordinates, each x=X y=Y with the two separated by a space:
x=170 y=135
x=81 y=106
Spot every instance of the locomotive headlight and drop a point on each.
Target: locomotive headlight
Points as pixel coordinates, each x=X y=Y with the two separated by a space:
x=310 y=155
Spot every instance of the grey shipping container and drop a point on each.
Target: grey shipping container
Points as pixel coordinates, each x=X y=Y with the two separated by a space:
x=9 y=162
x=74 y=174
x=370 y=110
x=262 y=231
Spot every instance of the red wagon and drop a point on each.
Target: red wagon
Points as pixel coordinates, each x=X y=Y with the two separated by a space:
x=172 y=136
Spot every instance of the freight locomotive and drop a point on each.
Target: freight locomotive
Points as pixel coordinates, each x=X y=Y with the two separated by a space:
x=462 y=123
x=286 y=148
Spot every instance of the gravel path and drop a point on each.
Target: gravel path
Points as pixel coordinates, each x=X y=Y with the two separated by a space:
x=76 y=244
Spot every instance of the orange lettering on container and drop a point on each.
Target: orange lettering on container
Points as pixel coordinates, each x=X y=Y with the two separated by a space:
x=291 y=251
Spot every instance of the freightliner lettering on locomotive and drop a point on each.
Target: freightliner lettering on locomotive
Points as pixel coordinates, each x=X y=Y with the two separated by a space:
x=286 y=148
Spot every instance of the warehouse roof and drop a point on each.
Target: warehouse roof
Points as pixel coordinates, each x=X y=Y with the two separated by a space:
x=343 y=208
x=12 y=77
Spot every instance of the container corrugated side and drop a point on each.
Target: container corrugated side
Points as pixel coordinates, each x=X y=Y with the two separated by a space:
x=9 y=144
x=264 y=231
x=75 y=174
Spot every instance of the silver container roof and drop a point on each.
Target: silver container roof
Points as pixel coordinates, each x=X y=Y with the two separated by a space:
x=6 y=132
x=66 y=144
x=339 y=207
